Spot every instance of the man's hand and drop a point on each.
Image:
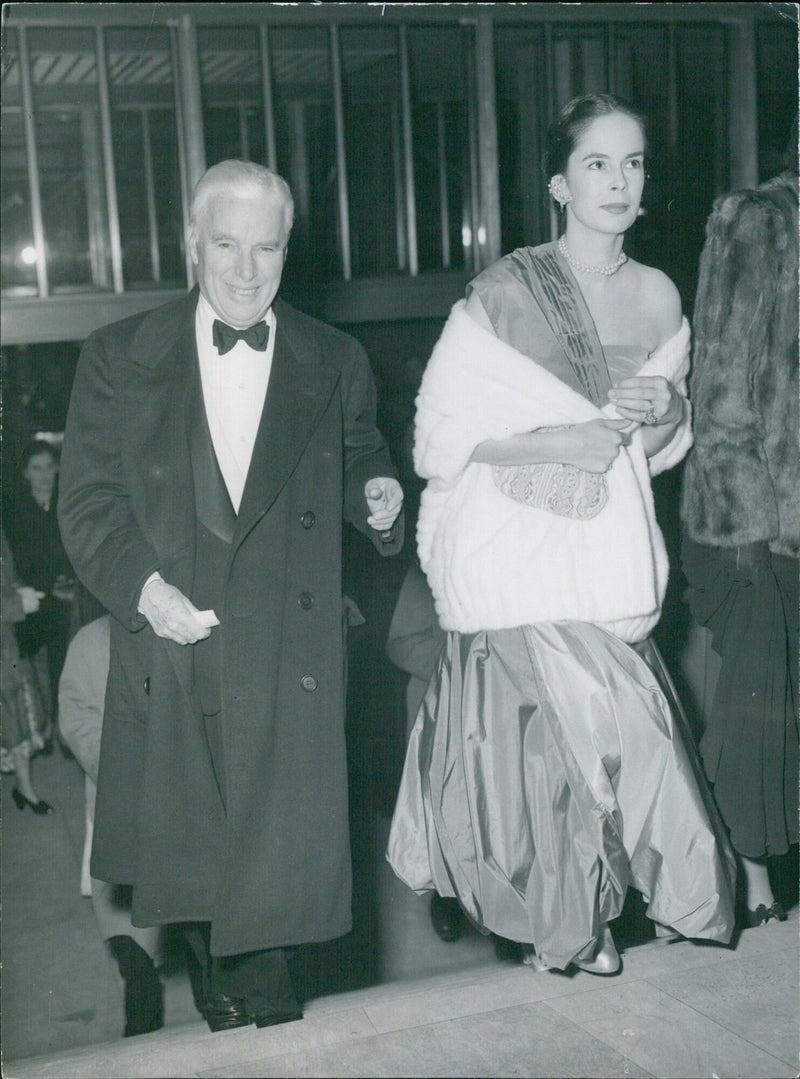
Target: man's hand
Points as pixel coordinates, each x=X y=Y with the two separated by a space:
x=30 y=598
x=170 y=613
x=385 y=500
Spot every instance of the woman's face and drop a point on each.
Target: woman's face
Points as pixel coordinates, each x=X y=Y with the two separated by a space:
x=605 y=174
x=40 y=472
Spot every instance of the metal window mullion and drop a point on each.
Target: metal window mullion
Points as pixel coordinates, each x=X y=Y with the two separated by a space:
x=341 y=156
x=611 y=58
x=183 y=168
x=444 y=208
x=489 y=234
x=472 y=134
x=399 y=202
x=550 y=75
x=408 y=154
x=266 y=89
x=37 y=220
x=672 y=91
x=244 y=138
x=150 y=193
x=108 y=161
x=192 y=99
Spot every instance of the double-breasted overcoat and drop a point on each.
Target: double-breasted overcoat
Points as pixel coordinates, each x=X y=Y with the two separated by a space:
x=271 y=867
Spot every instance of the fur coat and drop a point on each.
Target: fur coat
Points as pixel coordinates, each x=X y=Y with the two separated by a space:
x=742 y=478
x=493 y=562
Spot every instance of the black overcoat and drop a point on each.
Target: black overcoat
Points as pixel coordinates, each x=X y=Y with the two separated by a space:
x=272 y=867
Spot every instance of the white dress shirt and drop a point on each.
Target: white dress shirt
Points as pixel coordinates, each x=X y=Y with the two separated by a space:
x=234 y=390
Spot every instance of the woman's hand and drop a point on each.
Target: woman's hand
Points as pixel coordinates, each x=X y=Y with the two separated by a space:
x=63 y=588
x=647 y=399
x=594 y=446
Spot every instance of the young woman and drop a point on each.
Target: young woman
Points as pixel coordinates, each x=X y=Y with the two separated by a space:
x=31 y=526
x=544 y=773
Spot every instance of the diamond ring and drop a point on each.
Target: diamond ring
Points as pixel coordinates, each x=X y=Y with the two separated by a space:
x=650 y=417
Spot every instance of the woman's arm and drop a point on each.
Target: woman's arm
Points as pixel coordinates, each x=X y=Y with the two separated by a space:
x=592 y=446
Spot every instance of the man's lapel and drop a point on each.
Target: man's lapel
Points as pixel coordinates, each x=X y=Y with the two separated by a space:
x=158 y=400
x=158 y=403
x=300 y=387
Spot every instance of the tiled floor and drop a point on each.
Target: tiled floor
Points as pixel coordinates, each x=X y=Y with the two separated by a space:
x=437 y=1010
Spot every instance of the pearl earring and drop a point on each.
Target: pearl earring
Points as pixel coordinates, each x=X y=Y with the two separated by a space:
x=557 y=193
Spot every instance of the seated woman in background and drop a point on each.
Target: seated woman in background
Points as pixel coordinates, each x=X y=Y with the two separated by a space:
x=31 y=526
x=545 y=774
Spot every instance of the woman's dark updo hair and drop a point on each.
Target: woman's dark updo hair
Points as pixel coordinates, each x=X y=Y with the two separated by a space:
x=572 y=121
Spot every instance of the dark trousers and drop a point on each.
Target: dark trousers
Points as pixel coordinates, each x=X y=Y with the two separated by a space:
x=261 y=978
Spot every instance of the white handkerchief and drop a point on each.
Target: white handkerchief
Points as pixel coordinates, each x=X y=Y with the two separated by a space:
x=206 y=618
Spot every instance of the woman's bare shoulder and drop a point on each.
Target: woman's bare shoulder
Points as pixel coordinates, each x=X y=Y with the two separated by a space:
x=661 y=300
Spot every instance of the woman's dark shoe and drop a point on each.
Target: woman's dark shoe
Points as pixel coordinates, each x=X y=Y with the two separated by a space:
x=447 y=917
x=777 y=912
x=41 y=807
x=759 y=916
x=762 y=914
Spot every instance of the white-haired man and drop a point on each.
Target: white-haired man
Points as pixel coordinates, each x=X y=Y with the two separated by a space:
x=213 y=448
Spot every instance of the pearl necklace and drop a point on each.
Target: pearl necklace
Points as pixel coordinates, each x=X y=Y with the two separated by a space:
x=607 y=271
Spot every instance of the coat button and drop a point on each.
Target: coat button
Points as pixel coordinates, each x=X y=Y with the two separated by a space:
x=146 y=685
x=306 y=600
x=308 y=519
x=309 y=683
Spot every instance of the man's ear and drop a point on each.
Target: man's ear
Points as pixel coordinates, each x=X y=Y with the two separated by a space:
x=191 y=243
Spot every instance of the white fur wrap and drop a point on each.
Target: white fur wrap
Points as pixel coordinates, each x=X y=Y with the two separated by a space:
x=495 y=563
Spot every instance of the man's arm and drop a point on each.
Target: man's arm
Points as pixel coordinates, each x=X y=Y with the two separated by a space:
x=101 y=536
x=100 y=532
x=373 y=497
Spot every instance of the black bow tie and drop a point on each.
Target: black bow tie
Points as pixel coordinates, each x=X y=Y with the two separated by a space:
x=225 y=336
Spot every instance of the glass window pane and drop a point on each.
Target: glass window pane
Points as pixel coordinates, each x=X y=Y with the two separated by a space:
x=777 y=97
x=18 y=253
x=522 y=117
x=641 y=65
x=373 y=133
x=167 y=193
x=306 y=151
x=69 y=145
x=145 y=141
x=230 y=78
x=444 y=145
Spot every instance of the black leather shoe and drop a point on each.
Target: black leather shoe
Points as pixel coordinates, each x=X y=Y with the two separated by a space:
x=264 y=1017
x=447 y=918
x=224 y=1013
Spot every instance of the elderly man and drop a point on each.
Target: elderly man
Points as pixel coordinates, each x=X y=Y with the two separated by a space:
x=213 y=448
